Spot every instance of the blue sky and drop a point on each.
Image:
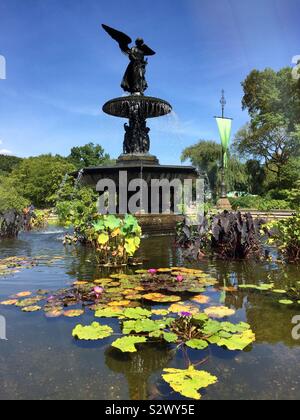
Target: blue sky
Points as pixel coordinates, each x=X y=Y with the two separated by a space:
x=62 y=67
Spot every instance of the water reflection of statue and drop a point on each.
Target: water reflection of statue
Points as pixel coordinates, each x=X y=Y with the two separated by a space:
x=134 y=80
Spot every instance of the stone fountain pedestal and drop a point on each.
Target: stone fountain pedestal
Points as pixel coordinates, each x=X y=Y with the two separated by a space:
x=137 y=162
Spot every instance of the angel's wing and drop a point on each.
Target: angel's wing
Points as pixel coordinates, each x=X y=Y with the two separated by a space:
x=147 y=50
x=122 y=39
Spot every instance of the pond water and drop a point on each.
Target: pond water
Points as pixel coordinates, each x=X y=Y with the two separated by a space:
x=41 y=360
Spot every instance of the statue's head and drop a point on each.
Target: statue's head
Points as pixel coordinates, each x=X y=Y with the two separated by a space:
x=139 y=42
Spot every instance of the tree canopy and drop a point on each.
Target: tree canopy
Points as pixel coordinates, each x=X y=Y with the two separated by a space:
x=38 y=178
x=89 y=155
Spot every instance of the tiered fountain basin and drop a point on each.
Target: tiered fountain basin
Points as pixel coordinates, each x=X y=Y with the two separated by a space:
x=148 y=106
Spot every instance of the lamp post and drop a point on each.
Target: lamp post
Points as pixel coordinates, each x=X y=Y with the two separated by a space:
x=224 y=125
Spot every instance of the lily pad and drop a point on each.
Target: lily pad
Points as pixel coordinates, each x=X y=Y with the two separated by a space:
x=160 y=312
x=10 y=302
x=167 y=336
x=279 y=291
x=31 y=309
x=137 y=313
x=113 y=312
x=143 y=326
x=73 y=313
x=120 y=303
x=219 y=311
x=23 y=294
x=201 y=299
x=177 y=308
x=128 y=344
x=158 y=297
x=197 y=344
x=238 y=341
x=95 y=331
x=188 y=382
x=286 y=302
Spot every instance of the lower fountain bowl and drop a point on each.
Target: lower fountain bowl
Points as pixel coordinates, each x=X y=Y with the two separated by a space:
x=150 y=107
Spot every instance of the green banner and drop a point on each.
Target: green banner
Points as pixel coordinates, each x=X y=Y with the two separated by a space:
x=225 y=125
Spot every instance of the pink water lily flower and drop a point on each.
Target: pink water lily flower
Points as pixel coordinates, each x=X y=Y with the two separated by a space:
x=152 y=271
x=180 y=279
x=98 y=291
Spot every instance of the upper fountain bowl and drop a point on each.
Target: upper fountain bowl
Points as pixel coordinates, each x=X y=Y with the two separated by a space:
x=150 y=107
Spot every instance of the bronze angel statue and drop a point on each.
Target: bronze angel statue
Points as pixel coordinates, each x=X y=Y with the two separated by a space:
x=134 y=80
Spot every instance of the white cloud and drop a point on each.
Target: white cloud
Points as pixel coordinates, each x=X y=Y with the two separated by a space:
x=5 y=152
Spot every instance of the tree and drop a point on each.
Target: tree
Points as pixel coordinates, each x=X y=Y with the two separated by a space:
x=271 y=143
x=8 y=163
x=273 y=133
x=89 y=155
x=270 y=93
x=39 y=178
x=10 y=198
x=205 y=155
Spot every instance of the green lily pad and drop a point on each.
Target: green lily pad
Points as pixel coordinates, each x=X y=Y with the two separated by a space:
x=188 y=382
x=279 y=291
x=286 y=302
x=137 y=313
x=28 y=302
x=127 y=344
x=237 y=341
x=158 y=297
x=143 y=326
x=95 y=331
x=112 y=312
x=168 y=337
x=197 y=344
x=201 y=317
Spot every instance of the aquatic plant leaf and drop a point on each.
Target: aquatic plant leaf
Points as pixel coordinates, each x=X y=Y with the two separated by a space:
x=119 y=303
x=279 y=291
x=219 y=311
x=197 y=344
x=160 y=312
x=73 y=313
x=177 y=308
x=158 y=297
x=128 y=344
x=31 y=309
x=170 y=337
x=54 y=313
x=80 y=283
x=103 y=239
x=113 y=312
x=201 y=299
x=196 y=290
x=200 y=317
x=137 y=313
x=29 y=302
x=23 y=294
x=10 y=302
x=286 y=302
x=211 y=327
x=143 y=326
x=188 y=382
x=238 y=341
x=112 y=222
x=95 y=331
x=235 y=328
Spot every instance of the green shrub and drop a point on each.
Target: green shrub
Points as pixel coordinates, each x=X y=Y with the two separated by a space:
x=114 y=239
x=259 y=203
x=286 y=235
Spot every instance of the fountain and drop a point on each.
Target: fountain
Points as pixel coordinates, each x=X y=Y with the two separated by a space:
x=136 y=159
